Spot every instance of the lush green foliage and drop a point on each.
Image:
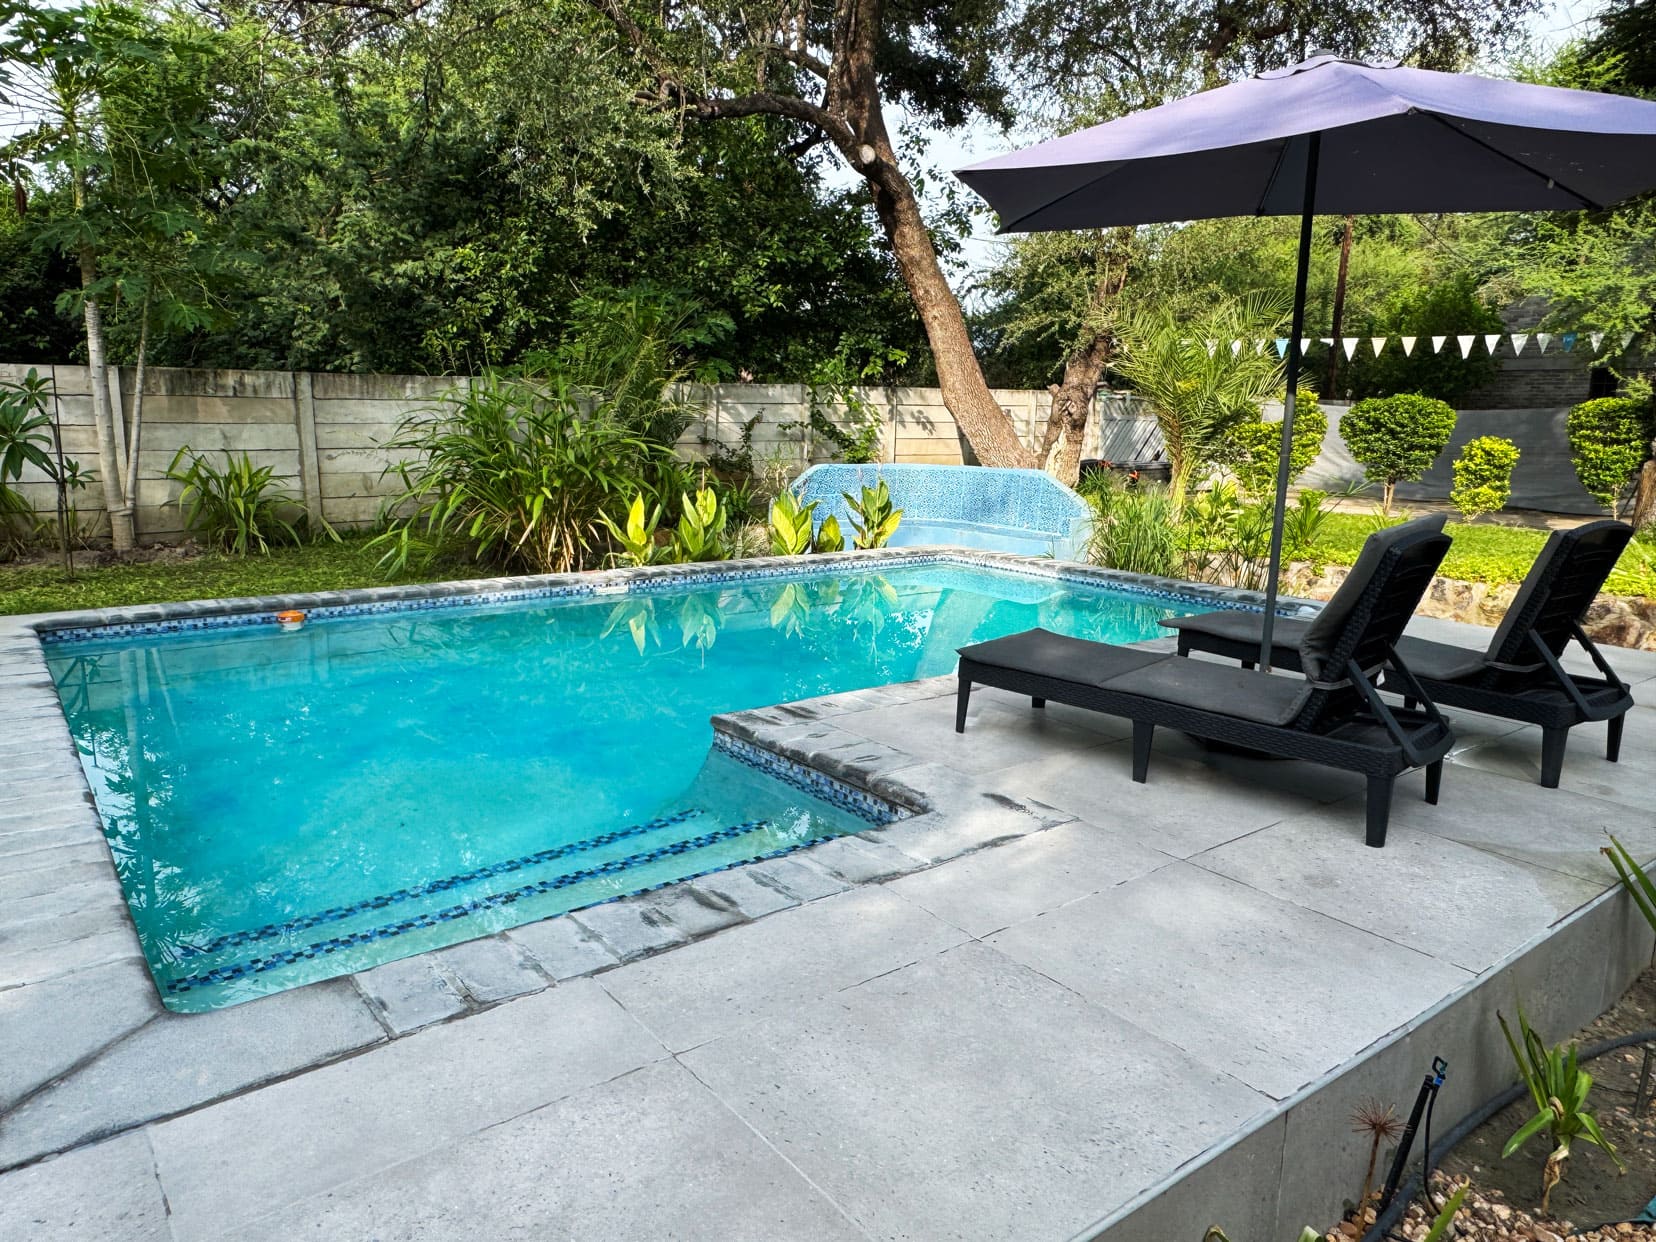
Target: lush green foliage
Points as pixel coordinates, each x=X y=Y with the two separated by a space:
x=237 y=508
x=1251 y=448
x=1609 y=439
x=516 y=470
x=829 y=537
x=1397 y=438
x=700 y=533
x=873 y=519
x=1448 y=306
x=1198 y=388
x=1483 y=475
x=636 y=542
x=1640 y=887
x=1559 y=1087
x=1133 y=528
x=790 y=525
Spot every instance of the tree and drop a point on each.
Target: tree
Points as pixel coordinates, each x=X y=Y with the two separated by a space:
x=1252 y=449
x=1199 y=387
x=1397 y=438
x=831 y=69
x=1446 y=307
x=1610 y=439
x=1483 y=476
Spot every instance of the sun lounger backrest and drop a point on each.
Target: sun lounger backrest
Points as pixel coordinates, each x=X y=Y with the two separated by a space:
x=1332 y=622
x=1565 y=579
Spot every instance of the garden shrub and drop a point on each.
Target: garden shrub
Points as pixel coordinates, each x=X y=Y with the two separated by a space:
x=1609 y=439
x=1483 y=476
x=1250 y=450
x=1397 y=438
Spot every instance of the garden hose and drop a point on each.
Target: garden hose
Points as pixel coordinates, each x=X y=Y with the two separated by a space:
x=1432 y=1155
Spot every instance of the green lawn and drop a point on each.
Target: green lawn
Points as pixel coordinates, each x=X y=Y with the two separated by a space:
x=1483 y=553
x=322 y=566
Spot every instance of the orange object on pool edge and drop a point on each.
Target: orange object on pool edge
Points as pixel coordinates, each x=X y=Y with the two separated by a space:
x=291 y=619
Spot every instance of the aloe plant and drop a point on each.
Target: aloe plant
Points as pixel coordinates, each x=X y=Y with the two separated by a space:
x=876 y=520
x=1559 y=1087
x=638 y=537
x=790 y=525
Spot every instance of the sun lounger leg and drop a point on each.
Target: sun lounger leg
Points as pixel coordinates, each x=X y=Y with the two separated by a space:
x=1434 y=781
x=962 y=699
x=1379 y=809
x=1553 y=742
x=1143 y=732
x=1612 y=745
x=1034 y=702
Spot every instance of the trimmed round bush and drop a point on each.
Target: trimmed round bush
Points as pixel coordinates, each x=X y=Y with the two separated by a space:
x=1483 y=476
x=1609 y=440
x=1251 y=448
x=1397 y=438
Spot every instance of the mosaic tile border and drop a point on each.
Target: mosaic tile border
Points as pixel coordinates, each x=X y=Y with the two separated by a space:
x=203 y=615
x=870 y=808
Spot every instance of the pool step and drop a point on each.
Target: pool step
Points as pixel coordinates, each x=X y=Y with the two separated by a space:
x=245 y=965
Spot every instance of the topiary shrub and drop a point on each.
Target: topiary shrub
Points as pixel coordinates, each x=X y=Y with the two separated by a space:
x=1251 y=448
x=1609 y=439
x=1397 y=438
x=1483 y=476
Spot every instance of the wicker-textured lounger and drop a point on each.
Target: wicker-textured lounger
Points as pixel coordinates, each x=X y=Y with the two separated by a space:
x=1332 y=715
x=1517 y=677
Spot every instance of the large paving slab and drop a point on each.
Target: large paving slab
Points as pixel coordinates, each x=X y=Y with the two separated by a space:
x=108 y=1190
x=860 y=1089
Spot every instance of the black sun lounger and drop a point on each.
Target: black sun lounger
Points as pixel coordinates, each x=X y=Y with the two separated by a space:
x=1518 y=677
x=1332 y=715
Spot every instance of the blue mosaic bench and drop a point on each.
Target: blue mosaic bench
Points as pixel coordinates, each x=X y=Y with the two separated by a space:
x=1023 y=511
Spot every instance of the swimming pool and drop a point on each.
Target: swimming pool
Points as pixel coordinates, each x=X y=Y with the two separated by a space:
x=285 y=807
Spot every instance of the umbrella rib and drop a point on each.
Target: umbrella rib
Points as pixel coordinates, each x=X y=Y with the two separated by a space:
x=1011 y=226
x=1581 y=198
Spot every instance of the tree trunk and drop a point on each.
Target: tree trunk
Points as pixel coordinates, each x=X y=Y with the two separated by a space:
x=1339 y=309
x=1644 y=496
x=103 y=420
x=1072 y=402
x=136 y=427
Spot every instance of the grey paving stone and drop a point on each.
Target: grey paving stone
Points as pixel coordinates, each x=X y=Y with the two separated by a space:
x=967 y=814
x=410 y=993
x=1235 y=1187
x=63 y=957
x=1026 y=877
x=1516 y=755
x=78 y=852
x=62 y=904
x=795 y=877
x=53 y=1025
x=750 y=973
x=180 y=1061
x=997 y=736
x=649 y=1155
x=696 y=910
x=106 y=1193
x=83 y=876
x=1268 y=991
x=492 y=969
x=631 y=928
x=900 y=1099
x=858 y=861
x=1483 y=905
x=746 y=892
x=1556 y=828
x=563 y=947
x=248 y=1156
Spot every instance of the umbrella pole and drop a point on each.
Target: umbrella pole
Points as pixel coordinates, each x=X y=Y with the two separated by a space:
x=1285 y=455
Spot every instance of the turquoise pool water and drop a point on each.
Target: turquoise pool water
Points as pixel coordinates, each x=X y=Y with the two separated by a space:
x=286 y=807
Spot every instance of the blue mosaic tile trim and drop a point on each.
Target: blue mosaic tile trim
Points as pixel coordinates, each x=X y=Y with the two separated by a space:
x=335 y=914
x=865 y=806
x=493 y=901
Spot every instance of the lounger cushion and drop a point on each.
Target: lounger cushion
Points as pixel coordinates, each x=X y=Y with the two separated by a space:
x=1440 y=661
x=1045 y=654
x=1507 y=645
x=1222 y=688
x=1325 y=630
x=1241 y=627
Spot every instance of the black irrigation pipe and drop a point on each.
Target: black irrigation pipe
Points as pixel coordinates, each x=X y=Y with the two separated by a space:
x=1387 y=1220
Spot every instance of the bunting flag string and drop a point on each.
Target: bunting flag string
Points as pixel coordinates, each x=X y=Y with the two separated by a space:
x=1466 y=343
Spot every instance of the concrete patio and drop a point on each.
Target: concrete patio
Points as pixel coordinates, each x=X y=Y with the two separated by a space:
x=1054 y=1005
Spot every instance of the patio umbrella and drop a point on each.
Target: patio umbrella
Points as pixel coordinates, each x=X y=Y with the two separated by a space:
x=1339 y=137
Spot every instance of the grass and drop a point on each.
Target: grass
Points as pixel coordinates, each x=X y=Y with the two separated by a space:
x=322 y=566
x=1488 y=553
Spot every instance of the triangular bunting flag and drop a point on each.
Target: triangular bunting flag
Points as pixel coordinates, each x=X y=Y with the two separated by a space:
x=1236 y=349
x=1212 y=347
x=1349 y=344
x=1437 y=344
x=1567 y=340
x=1627 y=339
x=1408 y=344
x=1378 y=343
x=1327 y=340
x=1259 y=346
x=1465 y=343
x=1519 y=340
x=1281 y=346
x=1597 y=338
x=1491 y=340
x=1305 y=345
x=1543 y=339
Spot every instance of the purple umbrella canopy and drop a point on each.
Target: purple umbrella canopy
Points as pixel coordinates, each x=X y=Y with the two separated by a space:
x=1336 y=136
x=1392 y=139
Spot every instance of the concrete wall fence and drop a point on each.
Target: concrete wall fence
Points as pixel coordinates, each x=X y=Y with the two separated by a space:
x=324 y=435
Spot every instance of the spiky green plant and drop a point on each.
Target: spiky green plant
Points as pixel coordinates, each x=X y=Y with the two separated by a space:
x=637 y=539
x=874 y=519
x=239 y=508
x=790 y=525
